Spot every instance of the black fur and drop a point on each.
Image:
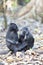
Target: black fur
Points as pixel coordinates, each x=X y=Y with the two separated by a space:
x=14 y=42
x=12 y=36
x=27 y=37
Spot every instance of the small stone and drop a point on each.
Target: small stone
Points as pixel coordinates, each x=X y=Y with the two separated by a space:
x=19 y=56
x=35 y=59
x=41 y=48
x=1 y=63
x=5 y=63
x=4 y=51
x=41 y=35
x=27 y=58
x=38 y=38
x=33 y=53
x=29 y=64
x=36 y=30
x=0 y=60
x=21 y=63
x=28 y=52
x=36 y=46
x=10 y=59
x=38 y=63
x=13 y=63
x=42 y=60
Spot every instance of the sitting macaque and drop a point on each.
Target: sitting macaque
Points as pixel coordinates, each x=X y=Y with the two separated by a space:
x=26 y=37
x=12 y=36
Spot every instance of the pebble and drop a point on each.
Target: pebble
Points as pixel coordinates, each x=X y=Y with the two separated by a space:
x=41 y=48
x=38 y=63
x=5 y=63
x=4 y=51
x=1 y=63
x=20 y=64
x=36 y=30
x=10 y=59
x=13 y=63
x=28 y=52
x=0 y=60
x=19 y=56
x=33 y=53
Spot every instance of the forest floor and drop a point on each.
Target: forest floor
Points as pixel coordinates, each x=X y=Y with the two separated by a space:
x=33 y=56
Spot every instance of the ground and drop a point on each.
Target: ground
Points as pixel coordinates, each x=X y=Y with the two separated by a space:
x=33 y=56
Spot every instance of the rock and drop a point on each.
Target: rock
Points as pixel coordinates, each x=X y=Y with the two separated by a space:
x=41 y=60
x=0 y=60
x=33 y=53
x=28 y=52
x=19 y=56
x=39 y=51
x=41 y=48
x=5 y=63
x=38 y=63
x=13 y=63
x=27 y=58
x=10 y=59
x=20 y=63
x=4 y=51
x=36 y=46
x=1 y=63
x=40 y=38
x=36 y=30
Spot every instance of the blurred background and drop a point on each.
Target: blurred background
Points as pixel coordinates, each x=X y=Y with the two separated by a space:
x=15 y=9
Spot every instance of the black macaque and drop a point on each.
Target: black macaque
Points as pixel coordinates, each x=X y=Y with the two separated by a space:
x=12 y=36
x=17 y=42
x=26 y=38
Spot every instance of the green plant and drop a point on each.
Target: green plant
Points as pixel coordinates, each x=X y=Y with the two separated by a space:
x=26 y=1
